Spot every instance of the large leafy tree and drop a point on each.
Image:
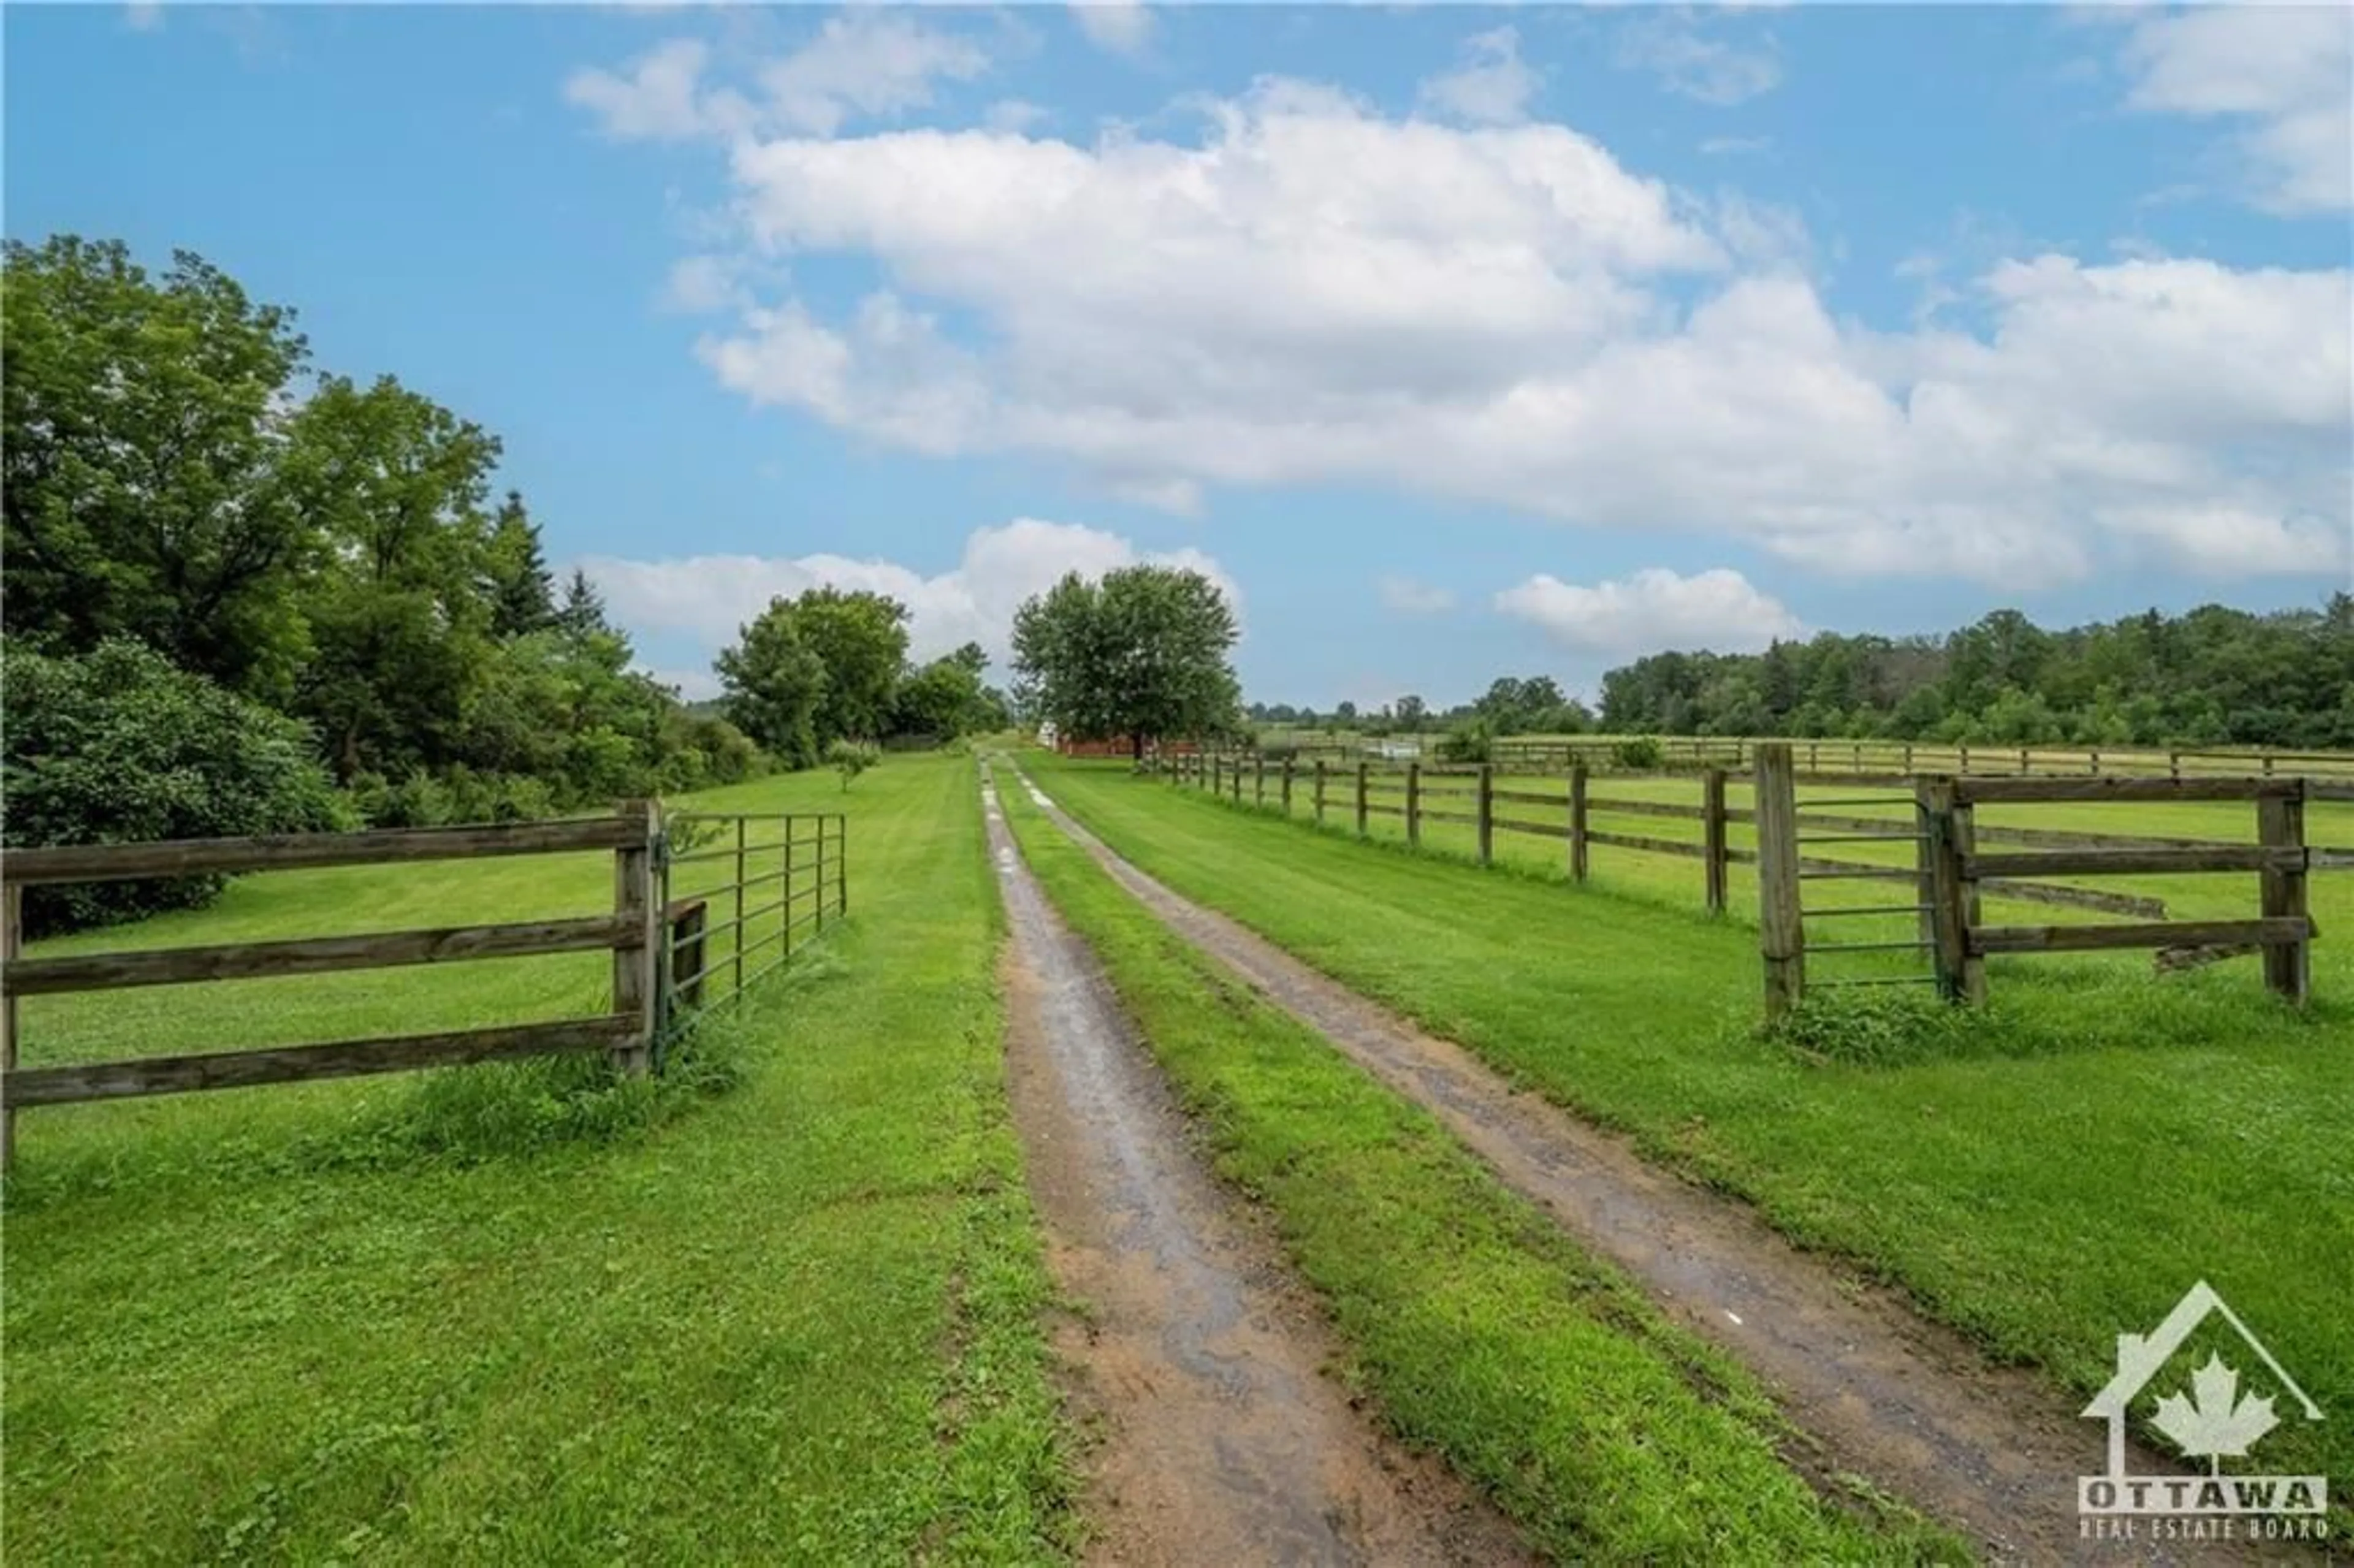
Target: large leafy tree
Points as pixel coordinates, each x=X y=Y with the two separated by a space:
x=942 y=701
x=332 y=556
x=775 y=683
x=146 y=443
x=398 y=621
x=1141 y=655
x=861 y=639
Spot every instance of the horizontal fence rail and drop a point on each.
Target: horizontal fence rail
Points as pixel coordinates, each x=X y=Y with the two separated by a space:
x=1932 y=817
x=292 y=851
x=1887 y=758
x=775 y=877
x=668 y=950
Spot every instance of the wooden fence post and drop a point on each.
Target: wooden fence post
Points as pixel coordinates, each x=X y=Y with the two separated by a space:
x=1781 y=920
x=1361 y=799
x=12 y=943
x=1577 y=849
x=1711 y=805
x=1486 y=813
x=686 y=932
x=1414 y=804
x=636 y=975
x=1258 y=786
x=1320 y=791
x=1235 y=781
x=1924 y=869
x=1950 y=909
x=2280 y=824
x=1966 y=844
x=1286 y=789
x=1217 y=773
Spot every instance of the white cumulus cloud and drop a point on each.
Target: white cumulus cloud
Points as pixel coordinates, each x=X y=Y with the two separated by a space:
x=1492 y=85
x=862 y=63
x=1316 y=293
x=2282 y=74
x=1653 y=609
x=660 y=97
x=709 y=598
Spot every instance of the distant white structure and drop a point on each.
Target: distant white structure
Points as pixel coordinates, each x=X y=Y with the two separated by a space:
x=1395 y=750
x=1047 y=734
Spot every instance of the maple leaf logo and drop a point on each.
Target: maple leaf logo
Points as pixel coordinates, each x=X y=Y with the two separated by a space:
x=2215 y=1420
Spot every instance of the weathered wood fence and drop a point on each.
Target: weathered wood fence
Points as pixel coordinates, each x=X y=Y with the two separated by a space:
x=659 y=941
x=1945 y=873
x=1470 y=795
x=1953 y=876
x=1689 y=754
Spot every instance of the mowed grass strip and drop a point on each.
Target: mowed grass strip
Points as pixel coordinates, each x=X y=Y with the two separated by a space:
x=389 y=1320
x=1611 y=1435
x=2045 y=1173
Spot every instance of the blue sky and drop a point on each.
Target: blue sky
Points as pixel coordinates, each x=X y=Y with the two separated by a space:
x=1459 y=340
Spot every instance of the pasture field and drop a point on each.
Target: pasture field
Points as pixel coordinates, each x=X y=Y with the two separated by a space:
x=1677 y=882
x=780 y=1305
x=1482 y=1331
x=2044 y=1173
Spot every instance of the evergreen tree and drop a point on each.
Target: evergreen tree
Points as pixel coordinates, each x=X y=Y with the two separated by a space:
x=522 y=594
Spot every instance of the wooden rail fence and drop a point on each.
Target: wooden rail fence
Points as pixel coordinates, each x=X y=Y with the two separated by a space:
x=1946 y=875
x=1689 y=754
x=647 y=924
x=1405 y=792
x=1953 y=876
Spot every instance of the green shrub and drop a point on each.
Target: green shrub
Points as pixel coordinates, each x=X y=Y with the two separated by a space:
x=853 y=757
x=119 y=745
x=1472 y=742
x=1643 y=754
x=456 y=795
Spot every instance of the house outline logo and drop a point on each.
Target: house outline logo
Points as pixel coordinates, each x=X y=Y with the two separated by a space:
x=2139 y=1359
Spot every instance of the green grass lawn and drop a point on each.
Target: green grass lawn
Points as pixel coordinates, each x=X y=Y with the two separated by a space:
x=512 y=1314
x=2044 y=1174
x=1480 y=1331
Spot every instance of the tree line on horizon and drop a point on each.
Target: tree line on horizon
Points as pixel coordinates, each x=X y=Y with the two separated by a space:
x=2212 y=676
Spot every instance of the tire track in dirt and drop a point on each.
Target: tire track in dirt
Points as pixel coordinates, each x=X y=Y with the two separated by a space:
x=1880 y=1391
x=1198 y=1362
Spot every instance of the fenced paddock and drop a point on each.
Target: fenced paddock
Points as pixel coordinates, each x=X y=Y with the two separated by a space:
x=1689 y=754
x=1862 y=847
x=662 y=953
